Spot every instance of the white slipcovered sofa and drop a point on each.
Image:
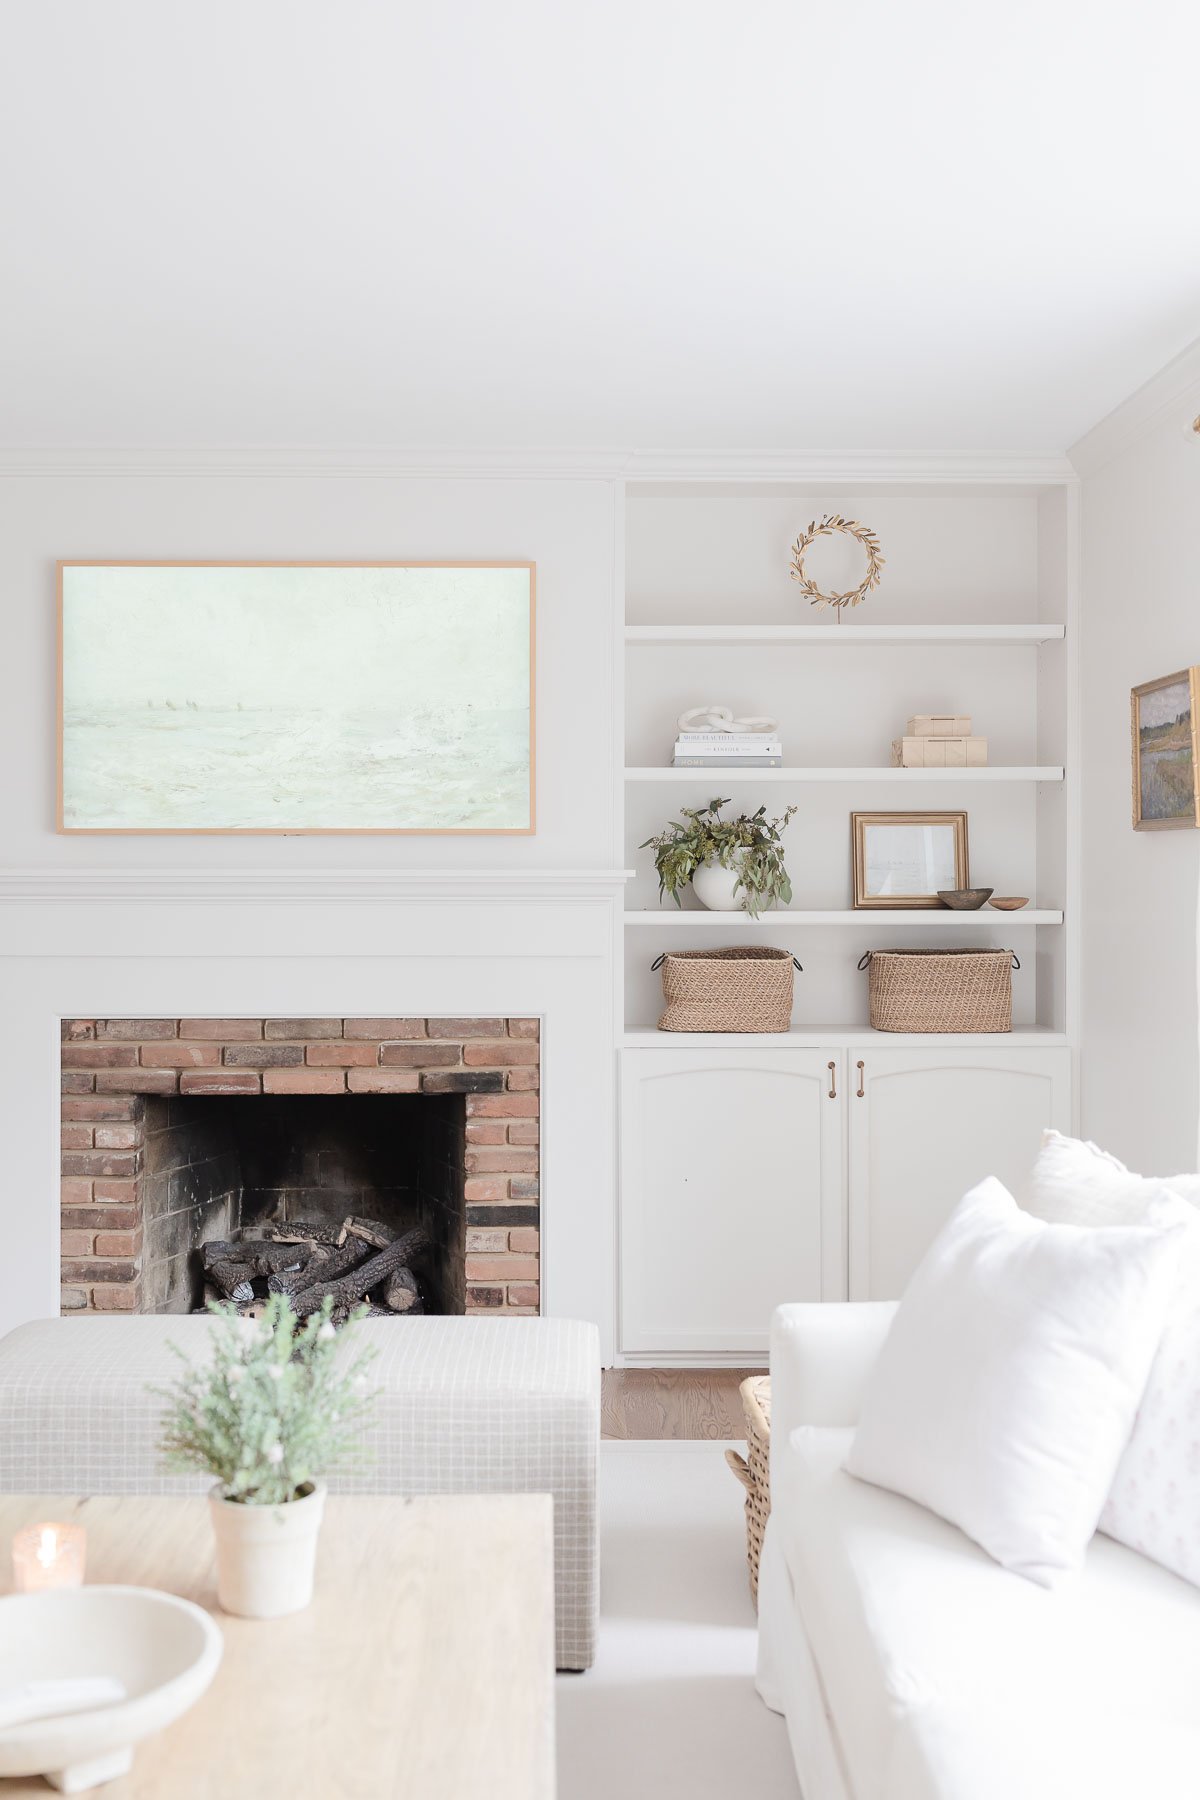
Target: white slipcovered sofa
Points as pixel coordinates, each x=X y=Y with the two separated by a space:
x=466 y=1406
x=910 y=1666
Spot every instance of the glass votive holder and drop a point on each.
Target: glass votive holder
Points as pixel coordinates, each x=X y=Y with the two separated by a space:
x=48 y=1556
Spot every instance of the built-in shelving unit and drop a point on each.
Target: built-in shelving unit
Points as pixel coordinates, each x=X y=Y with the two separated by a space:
x=876 y=922
x=842 y=1148
x=841 y=637
x=975 y=614
x=899 y=777
x=839 y=1037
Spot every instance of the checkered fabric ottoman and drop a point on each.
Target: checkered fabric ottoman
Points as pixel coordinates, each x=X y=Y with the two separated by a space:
x=467 y=1406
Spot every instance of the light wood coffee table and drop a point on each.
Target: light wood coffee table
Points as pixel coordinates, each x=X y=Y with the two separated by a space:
x=424 y=1666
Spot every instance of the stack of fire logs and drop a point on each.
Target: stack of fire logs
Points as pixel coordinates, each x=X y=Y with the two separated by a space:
x=356 y=1261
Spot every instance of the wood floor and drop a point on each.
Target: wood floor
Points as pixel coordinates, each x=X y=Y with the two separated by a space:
x=672 y=1403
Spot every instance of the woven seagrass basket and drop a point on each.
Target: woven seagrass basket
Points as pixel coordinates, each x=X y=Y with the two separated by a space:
x=753 y=1470
x=940 y=990
x=748 y=988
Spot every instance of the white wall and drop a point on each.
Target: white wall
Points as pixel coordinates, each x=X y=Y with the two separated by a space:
x=566 y=526
x=1141 y=619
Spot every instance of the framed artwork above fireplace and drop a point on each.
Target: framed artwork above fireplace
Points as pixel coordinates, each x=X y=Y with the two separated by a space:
x=296 y=697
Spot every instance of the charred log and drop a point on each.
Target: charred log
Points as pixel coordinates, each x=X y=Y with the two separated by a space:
x=351 y=1287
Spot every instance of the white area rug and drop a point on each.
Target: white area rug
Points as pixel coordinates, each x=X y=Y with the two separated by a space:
x=669 y=1710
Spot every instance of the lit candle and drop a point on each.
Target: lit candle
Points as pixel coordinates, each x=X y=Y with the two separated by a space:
x=48 y=1556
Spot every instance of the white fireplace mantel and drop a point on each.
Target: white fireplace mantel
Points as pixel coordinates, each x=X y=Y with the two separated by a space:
x=350 y=886
x=107 y=943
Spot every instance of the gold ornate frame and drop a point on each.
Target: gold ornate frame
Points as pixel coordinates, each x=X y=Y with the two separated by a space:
x=1192 y=678
x=859 y=823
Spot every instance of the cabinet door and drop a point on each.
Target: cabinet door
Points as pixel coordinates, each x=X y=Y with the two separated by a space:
x=927 y=1126
x=732 y=1194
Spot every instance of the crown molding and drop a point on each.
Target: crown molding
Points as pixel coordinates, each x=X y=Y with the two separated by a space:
x=841 y=466
x=240 y=887
x=713 y=465
x=1175 y=389
x=327 y=464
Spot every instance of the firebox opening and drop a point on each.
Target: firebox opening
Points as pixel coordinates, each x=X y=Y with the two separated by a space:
x=219 y=1164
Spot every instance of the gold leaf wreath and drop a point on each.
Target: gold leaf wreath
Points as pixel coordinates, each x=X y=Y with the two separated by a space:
x=825 y=528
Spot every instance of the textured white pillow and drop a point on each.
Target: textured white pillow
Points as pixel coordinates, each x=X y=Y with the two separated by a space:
x=1006 y=1389
x=1154 y=1505
x=1076 y=1183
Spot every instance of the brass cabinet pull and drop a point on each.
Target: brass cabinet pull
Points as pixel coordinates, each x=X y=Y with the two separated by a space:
x=832 y=1067
x=861 y=1090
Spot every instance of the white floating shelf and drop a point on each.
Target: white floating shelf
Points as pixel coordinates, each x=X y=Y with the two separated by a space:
x=839 y=1037
x=904 y=777
x=876 y=919
x=841 y=635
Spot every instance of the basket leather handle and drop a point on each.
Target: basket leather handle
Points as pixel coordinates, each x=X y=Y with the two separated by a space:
x=1016 y=959
x=797 y=964
x=741 y=1469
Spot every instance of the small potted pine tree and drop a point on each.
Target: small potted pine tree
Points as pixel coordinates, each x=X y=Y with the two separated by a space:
x=276 y=1406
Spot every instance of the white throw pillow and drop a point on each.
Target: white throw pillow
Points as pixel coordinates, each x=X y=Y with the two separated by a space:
x=1154 y=1505
x=1006 y=1389
x=1076 y=1183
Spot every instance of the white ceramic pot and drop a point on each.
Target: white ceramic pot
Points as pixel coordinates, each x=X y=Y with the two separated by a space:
x=266 y=1555
x=714 y=888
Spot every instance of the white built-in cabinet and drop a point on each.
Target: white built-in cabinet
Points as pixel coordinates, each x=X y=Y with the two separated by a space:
x=924 y=1127
x=753 y=1177
x=732 y=1194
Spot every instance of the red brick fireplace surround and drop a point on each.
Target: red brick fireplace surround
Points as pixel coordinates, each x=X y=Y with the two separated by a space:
x=136 y=1145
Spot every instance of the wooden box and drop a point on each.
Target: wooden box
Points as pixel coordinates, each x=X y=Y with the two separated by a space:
x=940 y=725
x=939 y=753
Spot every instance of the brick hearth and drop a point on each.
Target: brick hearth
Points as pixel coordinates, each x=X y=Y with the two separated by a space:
x=112 y=1069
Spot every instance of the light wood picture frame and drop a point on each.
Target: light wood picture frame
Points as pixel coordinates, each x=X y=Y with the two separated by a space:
x=280 y=698
x=901 y=859
x=1164 y=715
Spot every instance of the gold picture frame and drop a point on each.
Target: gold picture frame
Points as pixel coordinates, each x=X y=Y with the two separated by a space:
x=892 y=875
x=1163 y=720
x=396 y=746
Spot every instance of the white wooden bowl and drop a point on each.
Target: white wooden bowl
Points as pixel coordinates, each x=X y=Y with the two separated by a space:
x=164 y=1650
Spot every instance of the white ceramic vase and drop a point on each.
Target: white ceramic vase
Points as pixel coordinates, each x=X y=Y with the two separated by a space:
x=714 y=886
x=266 y=1555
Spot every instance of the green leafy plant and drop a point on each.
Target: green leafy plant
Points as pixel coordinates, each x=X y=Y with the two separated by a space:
x=276 y=1405
x=750 y=845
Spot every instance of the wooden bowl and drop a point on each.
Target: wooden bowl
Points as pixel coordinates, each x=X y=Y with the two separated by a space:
x=1009 y=902
x=964 y=899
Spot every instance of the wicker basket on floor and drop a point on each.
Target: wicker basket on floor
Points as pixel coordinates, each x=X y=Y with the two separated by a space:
x=753 y=1469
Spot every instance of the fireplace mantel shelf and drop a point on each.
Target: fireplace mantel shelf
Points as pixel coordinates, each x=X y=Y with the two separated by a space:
x=377 y=886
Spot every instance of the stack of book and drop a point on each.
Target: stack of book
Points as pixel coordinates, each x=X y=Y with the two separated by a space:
x=728 y=750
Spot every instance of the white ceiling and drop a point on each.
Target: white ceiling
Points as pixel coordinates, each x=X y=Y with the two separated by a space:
x=924 y=225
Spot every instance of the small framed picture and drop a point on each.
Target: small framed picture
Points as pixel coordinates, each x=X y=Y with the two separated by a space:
x=1164 y=721
x=904 y=858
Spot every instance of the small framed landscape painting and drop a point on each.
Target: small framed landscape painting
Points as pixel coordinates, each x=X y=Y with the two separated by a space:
x=904 y=859
x=1165 y=714
x=296 y=697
